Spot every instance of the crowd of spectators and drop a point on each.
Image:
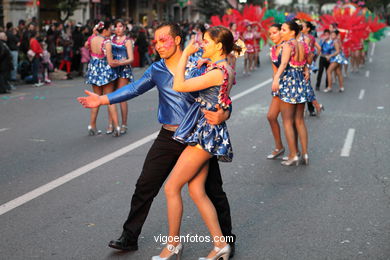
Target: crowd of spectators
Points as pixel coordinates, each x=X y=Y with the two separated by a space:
x=29 y=52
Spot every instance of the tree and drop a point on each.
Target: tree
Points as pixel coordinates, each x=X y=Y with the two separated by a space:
x=67 y=8
x=378 y=5
x=214 y=7
x=321 y=3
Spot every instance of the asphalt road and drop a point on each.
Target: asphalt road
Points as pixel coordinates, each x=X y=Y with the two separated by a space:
x=337 y=207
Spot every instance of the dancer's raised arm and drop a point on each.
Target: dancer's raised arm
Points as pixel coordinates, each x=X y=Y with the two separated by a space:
x=209 y=79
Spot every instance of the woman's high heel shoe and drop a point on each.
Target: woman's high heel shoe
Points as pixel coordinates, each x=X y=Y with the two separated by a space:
x=110 y=129
x=175 y=251
x=327 y=90
x=123 y=129
x=321 y=109
x=117 y=131
x=93 y=131
x=278 y=152
x=223 y=253
x=305 y=159
x=293 y=161
x=285 y=158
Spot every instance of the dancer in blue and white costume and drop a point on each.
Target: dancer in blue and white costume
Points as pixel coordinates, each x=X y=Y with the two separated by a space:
x=336 y=59
x=291 y=86
x=120 y=56
x=100 y=74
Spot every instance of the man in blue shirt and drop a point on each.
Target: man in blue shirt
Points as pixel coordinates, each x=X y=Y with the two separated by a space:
x=324 y=61
x=165 y=151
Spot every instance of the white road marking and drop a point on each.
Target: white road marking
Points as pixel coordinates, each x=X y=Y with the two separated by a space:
x=367 y=73
x=3 y=129
x=246 y=92
x=345 y=152
x=380 y=108
x=361 y=95
x=370 y=60
x=373 y=49
x=72 y=175
x=10 y=205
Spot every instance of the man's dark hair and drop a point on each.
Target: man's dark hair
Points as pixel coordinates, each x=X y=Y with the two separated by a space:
x=9 y=25
x=174 y=29
x=326 y=31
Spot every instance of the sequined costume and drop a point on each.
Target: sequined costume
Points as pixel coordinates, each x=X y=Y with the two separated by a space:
x=119 y=52
x=339 y=58
x=293 y=88
x=249 y=40
x=194 y=129
x=99 y=73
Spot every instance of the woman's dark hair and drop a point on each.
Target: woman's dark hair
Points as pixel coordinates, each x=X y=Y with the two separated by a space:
x=277 y=25
x=200 y=27
x=336 y=32
x=32 y=34
x=221 y=34
x=231 y=25
x=310 y=26
x=120 y=21
x=101 y=26
x=293 y=27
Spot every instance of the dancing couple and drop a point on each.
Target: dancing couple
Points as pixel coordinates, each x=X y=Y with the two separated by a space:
x=191 y=141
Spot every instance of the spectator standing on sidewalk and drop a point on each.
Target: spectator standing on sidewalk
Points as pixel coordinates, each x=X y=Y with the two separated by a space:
x=78 y=43
x=5 y=64
x=36 y=51
x=66 y=60
x=142 y=45
x=27 y=34
x=46 y=63
x=13 y=44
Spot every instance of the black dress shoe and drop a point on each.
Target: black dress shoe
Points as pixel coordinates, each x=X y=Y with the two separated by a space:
x=312 y=113
x=124 y=243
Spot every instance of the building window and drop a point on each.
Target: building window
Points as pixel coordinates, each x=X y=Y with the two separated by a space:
x=143 y=4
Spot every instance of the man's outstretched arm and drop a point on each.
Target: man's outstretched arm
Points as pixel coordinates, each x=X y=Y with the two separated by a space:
x=127 y=92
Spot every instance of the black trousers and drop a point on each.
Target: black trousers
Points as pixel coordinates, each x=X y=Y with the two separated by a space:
x=324 y=64
x=159 y=162
x=310 y=106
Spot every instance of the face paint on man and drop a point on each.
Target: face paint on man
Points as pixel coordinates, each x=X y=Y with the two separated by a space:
x=167 y=41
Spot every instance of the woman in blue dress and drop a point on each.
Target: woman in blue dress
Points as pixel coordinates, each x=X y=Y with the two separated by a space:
x=204 y=140
x=100 y=75
x=120 y=56
x=336 y=59
x=291 y=86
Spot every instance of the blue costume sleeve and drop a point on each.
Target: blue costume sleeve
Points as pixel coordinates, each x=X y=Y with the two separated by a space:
x=133 y=89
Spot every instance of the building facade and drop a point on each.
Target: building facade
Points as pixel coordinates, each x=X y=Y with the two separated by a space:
x=137 y=10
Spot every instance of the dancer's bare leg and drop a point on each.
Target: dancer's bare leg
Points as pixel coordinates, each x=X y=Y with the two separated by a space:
x=94 y=111
x=272 y=116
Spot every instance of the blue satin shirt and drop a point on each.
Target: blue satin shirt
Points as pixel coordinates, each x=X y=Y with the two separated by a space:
x=327 y=47
x=173 y=105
